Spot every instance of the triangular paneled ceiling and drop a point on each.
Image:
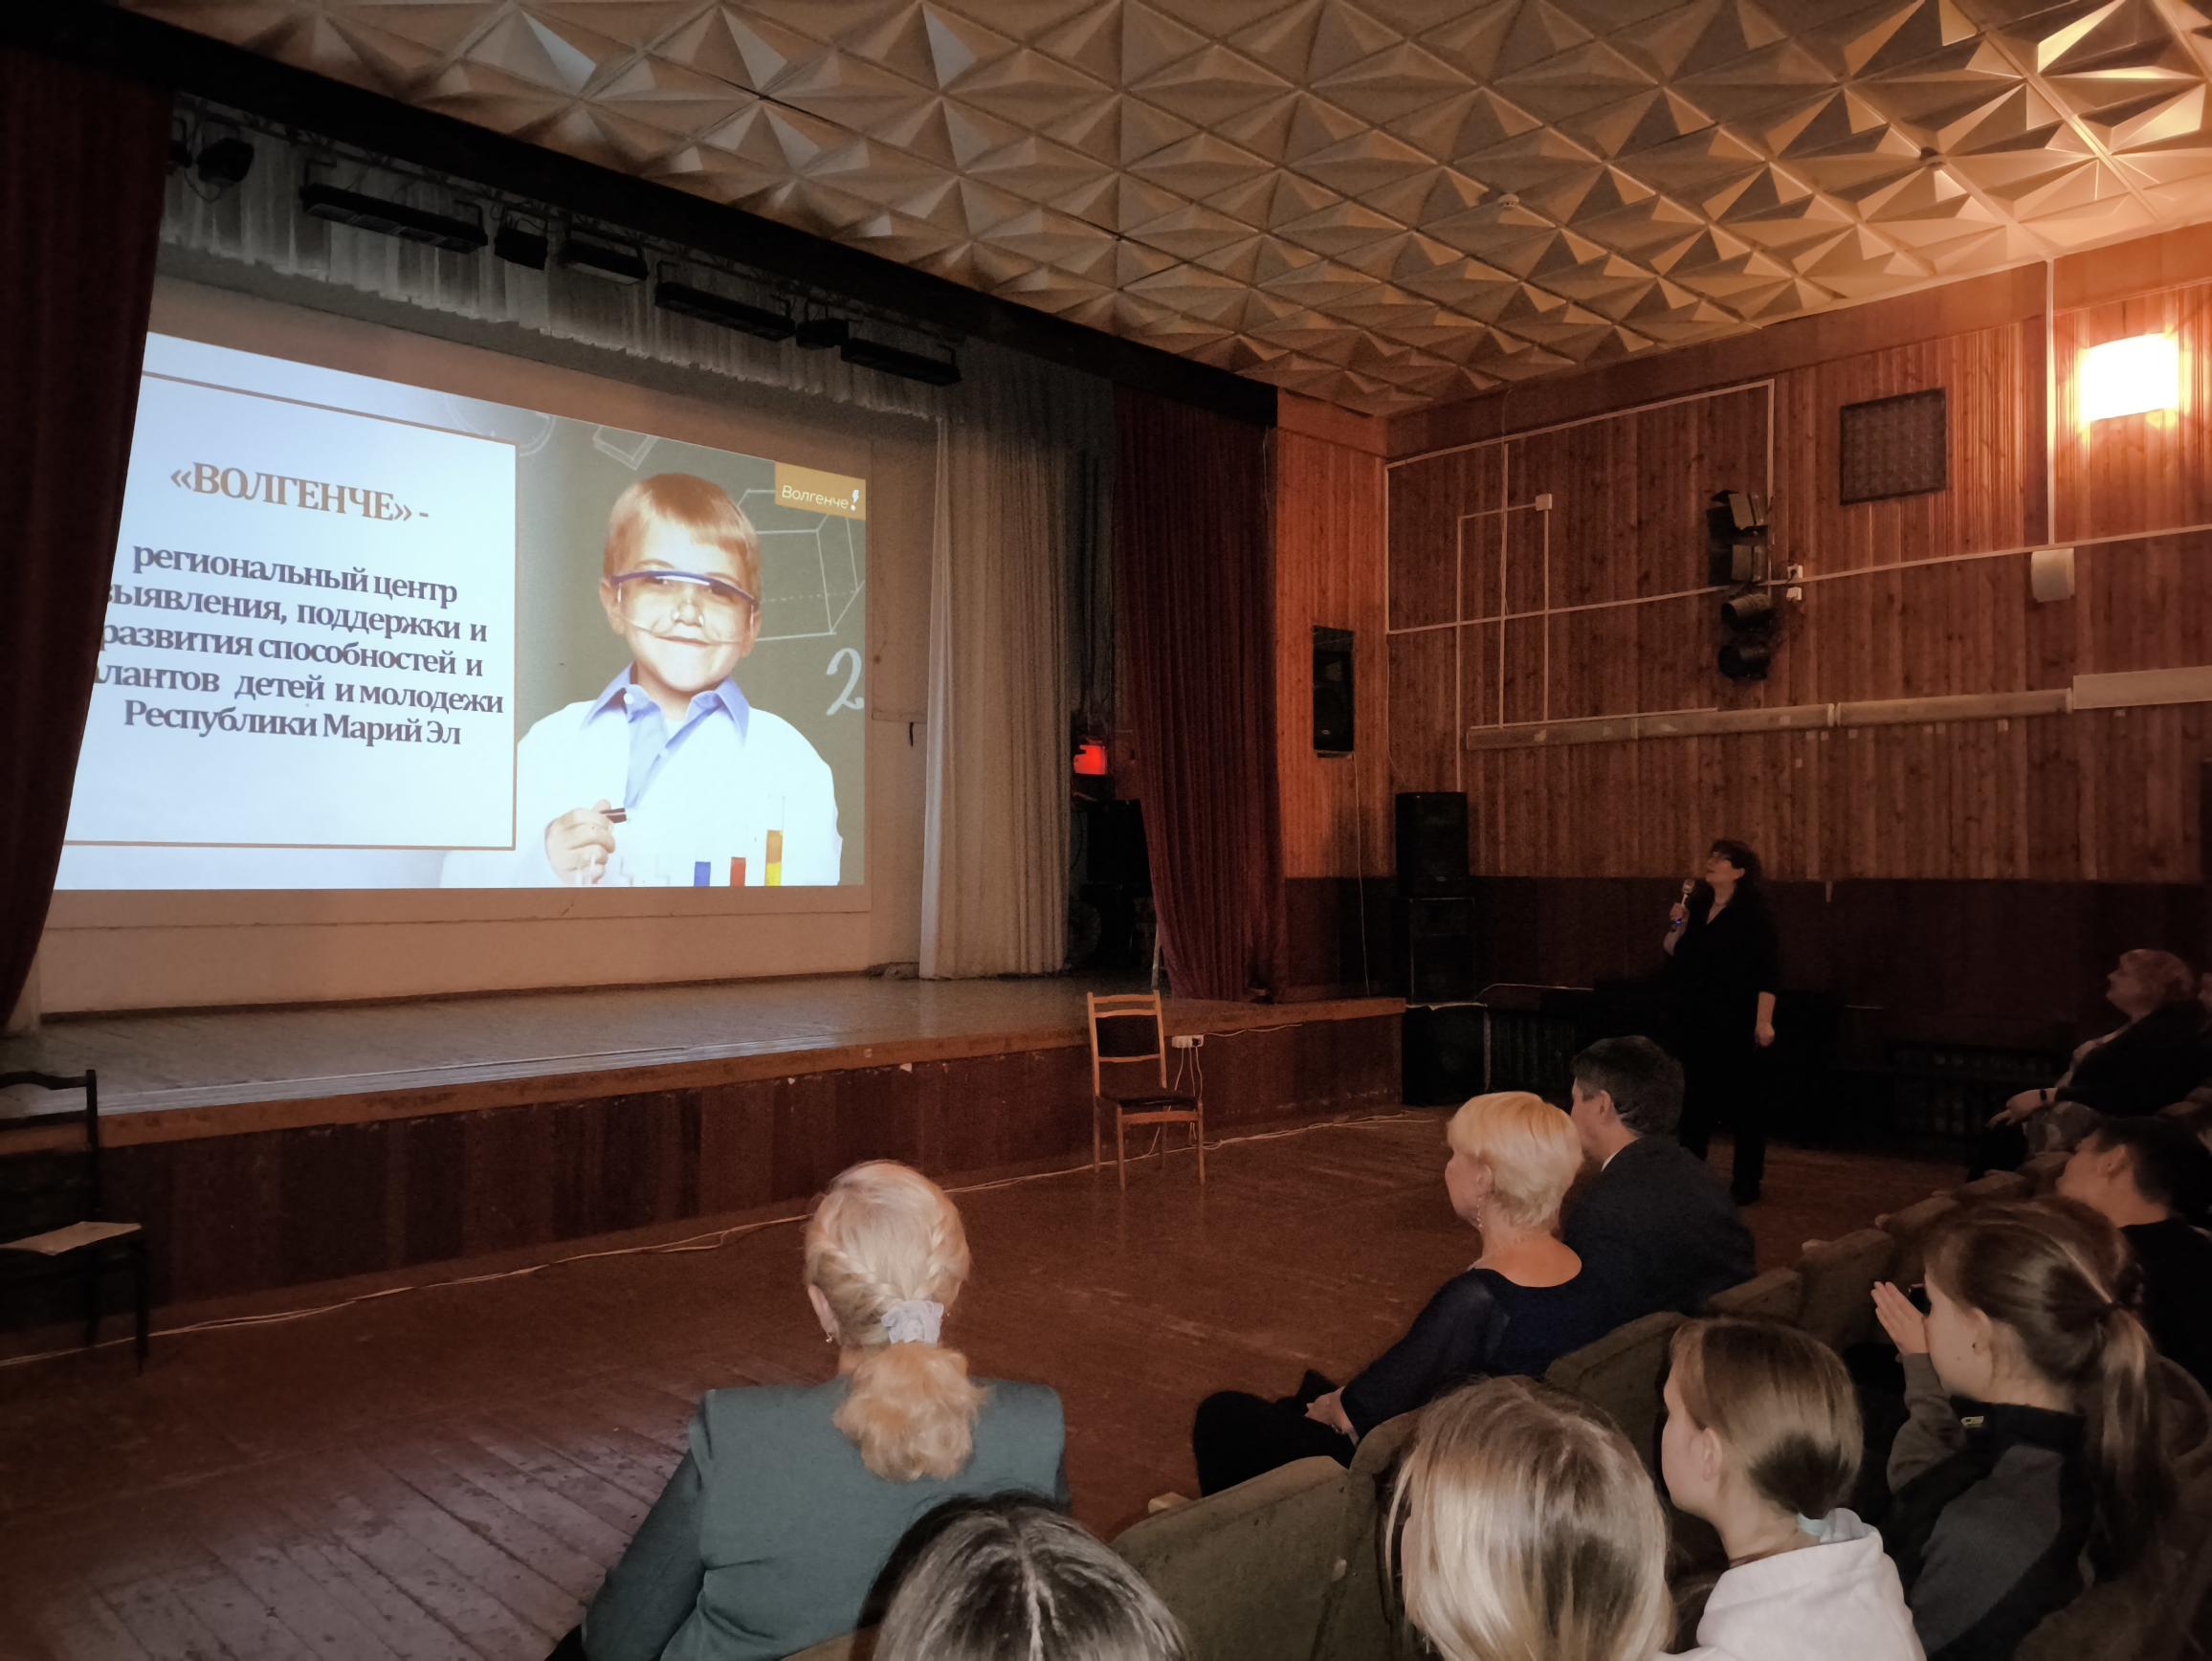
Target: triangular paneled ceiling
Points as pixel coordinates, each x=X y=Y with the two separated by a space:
x=1383 y=205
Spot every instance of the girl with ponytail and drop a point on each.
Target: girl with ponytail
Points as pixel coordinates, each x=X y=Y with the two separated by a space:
x=2033 y=1444
x=791 y=1498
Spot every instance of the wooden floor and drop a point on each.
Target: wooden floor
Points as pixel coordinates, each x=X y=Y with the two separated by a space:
x=446 y=1473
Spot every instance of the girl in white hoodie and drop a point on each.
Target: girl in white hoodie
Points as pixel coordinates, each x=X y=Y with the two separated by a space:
x=1762 y=1439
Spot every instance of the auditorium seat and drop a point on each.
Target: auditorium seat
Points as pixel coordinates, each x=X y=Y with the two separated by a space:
x=850 y=1647
x=1778 y=1295
x=1839 y=1275
x=1621 y=1374
x=1246 y=1570
x=1361 y=1616
x=1997 y=1186
x=2147 y=1614
x=1908 y=1228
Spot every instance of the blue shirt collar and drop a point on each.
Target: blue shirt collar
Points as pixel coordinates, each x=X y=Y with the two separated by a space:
x=622 y=694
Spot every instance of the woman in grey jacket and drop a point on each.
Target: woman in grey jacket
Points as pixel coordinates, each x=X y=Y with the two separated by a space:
x=790 y=1499
x=2033 y=1441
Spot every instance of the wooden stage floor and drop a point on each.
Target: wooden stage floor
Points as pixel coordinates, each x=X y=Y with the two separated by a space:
x=446 y=1472
x=223 y=1057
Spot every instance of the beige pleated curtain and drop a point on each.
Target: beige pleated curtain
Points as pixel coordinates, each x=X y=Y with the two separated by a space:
x=1022 y=458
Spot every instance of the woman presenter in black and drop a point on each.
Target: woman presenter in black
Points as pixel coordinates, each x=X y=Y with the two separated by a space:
x=1721 y=938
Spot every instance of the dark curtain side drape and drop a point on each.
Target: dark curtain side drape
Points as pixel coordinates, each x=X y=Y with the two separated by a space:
x=1192 y=537
x=82 y=157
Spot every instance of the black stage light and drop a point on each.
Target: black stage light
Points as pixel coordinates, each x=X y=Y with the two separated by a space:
x=520 y=245
x=688 y=301
x=608 y=259
x=365 y=213
x=819 y=334
x=1746 y=658
x=225 y=162
x=1751 y=611
x=907 y=365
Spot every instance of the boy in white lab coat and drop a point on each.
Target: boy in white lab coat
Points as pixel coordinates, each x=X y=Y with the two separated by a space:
x=668 y=777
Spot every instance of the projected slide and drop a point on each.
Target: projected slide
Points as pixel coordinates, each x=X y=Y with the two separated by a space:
x=363 y=634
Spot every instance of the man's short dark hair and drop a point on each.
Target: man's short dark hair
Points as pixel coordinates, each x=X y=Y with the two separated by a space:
x=1644 y=1081
x=2170 y=1166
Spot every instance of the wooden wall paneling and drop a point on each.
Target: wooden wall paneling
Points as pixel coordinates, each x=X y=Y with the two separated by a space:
x=1501 y=810
x=734 y=1171
x=1594 y=664
x=1485 y=525
x=1683 y=452
x=346 y=1230
x=1480 y=668
x=1521 y=669
x=1331 y=536
x=2142 y=605
x=1427 y=500
x=426 y=1175
x=1674 y=659
x=1424 y=710
x=1589 y=472
x=1930 y=314
x=2054 y=801
x=1996 y=420
x=2137 y=473
x=1535 y=551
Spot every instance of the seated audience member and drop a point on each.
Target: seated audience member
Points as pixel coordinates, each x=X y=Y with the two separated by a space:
x=2193 y=1115
x=2033 y=1439
x=1531 y=1529
x=1012 y=1580
x=1654 y=1227
x=2156 y=1056
x=1523 y=1303
x=791 y=1498
x=1762 y=1441
x=2151 y=1179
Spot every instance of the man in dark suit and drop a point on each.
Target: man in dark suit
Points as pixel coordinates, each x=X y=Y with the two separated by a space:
x=1655 y=1226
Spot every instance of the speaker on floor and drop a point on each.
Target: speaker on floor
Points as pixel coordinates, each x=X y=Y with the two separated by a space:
x=1439 y=935
x=1441 y=1064
x=1432 y=840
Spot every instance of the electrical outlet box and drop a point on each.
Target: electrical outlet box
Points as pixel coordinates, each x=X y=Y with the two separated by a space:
x=1188 y=1041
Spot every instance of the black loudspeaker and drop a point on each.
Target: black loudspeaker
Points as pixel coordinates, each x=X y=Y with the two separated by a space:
x=1439 y=934
x=1443 y=1054
x=1432 y=840
x=1333 y=703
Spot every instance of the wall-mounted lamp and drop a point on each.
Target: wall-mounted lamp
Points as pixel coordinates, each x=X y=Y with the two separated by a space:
x=2131 y=377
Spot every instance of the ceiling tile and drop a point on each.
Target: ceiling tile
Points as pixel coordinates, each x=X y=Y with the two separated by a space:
x=1378 y=202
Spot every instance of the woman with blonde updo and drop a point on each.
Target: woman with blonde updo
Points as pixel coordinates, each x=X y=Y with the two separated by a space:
x=790 y=1499
x=1522 y=1304
x=1530 y=1529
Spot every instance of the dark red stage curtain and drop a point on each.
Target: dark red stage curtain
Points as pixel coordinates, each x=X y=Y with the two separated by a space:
x=82 y=156
x=1192 y=510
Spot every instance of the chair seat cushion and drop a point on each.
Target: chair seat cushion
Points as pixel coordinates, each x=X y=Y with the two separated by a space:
x=74 y=1237
x=1176 y=1101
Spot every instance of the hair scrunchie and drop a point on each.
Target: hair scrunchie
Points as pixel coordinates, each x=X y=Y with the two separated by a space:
x=914 y=1321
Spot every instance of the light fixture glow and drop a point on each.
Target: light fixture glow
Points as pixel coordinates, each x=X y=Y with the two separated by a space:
x=2131 y=377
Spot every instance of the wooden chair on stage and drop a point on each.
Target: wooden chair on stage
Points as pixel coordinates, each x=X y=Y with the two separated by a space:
x=1129 y=1041
x=52 y=1224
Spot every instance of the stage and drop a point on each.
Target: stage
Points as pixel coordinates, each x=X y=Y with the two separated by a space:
x=273 y=1147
